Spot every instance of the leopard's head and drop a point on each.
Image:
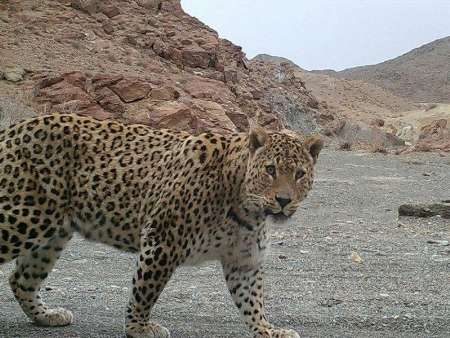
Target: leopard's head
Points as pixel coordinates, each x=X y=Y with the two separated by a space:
x=280 y=171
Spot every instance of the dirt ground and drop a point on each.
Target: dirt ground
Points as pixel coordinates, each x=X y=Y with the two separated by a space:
x=399 y=288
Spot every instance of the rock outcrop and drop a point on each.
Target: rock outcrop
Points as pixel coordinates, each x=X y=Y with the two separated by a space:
x=146 y=61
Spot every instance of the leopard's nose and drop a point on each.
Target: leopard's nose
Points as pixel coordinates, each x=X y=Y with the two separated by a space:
x=282 y=201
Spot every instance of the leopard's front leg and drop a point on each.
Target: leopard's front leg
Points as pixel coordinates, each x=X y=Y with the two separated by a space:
x=246 y=287
x=154 y=268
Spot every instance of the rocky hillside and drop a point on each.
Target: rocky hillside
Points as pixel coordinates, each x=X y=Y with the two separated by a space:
x=421 y=75
x=144 y=61
x=373 y=117
x=354 y=99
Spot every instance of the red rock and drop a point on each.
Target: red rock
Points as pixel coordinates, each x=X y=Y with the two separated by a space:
x=201 y=88
x=186 y=42
x=99 y=81
x=197 y=57
x=175 y=55
x=434 y=137
x=210 y=116
x=87 y=6
x=153 y=5
x=77 y=79
x=168 y=114
x=161 y=49
x=165 y=93
x=97 y=112
x=131 y=90
x=257 y=94
x=109 y=101
x=109 y=10
x=62 y=92
x=221 y=91
x=230 y=75
x=108 y=28
x=239 y=119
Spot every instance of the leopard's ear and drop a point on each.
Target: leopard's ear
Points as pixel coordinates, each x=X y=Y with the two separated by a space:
x=314 y=145
x=257 y=139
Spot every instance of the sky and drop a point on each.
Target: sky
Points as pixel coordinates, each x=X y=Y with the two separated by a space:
x=326 y=34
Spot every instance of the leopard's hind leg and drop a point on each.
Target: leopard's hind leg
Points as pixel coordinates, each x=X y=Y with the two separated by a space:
x=32 y=267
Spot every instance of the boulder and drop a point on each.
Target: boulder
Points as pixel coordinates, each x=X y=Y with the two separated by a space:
x=88 y=6
x=13 y=73
x=197 y=57
x=210 y=116
x=109 y=10
x=167 y=93
x=153 y=5
x=425 y=210
x=202 y=88
x=167 y=114
x=230 y=75
x=130 y=90
x=109 y=101
x=434 y=136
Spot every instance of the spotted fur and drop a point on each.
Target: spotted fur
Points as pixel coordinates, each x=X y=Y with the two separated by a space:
x=171 y=197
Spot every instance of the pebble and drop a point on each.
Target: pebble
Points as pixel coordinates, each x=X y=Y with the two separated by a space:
x=356 y=258
x=438 y=242
x=329 y=302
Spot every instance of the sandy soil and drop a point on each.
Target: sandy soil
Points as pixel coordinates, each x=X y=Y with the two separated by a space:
x=400 y=289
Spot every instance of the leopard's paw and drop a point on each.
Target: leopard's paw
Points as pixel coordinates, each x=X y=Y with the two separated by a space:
x=281 y=333
x=149 y=330
x=276 y=333
x=54 y=317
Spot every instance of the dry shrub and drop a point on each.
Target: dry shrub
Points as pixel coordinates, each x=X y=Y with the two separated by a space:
x=379 y=149
x=13 y=110
x=347 y=146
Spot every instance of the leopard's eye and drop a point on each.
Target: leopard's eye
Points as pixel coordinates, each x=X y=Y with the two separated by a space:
x=299 y=174
x=270 y=168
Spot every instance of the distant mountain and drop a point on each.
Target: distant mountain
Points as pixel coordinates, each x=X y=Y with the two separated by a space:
x=275 y=59
x=353 y=98
x=421 y=75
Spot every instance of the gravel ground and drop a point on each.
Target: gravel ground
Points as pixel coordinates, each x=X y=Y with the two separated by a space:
x=395 y=284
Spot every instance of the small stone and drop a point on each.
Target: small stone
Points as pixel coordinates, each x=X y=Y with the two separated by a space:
x=108 y=28
x=14 y=73
x=4 y=17
x=110 y=11
x=438 y=242
x=329 y=302
x=356 y=258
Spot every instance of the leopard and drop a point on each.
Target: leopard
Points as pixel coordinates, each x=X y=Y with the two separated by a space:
x=170 y=197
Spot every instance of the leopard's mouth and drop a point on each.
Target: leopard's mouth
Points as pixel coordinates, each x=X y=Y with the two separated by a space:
x=278 y=217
